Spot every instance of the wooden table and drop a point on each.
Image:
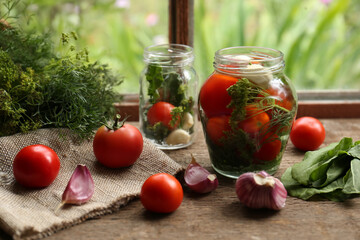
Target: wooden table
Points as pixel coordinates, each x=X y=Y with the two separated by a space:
x=220 y=215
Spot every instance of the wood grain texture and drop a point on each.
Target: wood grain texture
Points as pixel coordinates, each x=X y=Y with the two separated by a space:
x=181 y=26
x=220 y=215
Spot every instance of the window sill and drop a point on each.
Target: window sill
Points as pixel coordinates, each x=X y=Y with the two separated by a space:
x=319 y=104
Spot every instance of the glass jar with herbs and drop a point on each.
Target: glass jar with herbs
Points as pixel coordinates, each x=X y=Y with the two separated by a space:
x=168 y=93
x=247 y=107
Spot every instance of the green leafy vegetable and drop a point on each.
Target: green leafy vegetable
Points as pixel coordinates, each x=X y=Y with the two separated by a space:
x=19 y=96
x=237 y=146
x=27 y=50
x=159 y=131
x=240 y=95
x=167 y=85
x=173 y=88
x=332 y=172
x=314 y=159
x=154 y=78
x=186 y=105
x=40 y=89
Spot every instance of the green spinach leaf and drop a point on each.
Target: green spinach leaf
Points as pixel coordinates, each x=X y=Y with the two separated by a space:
x=332 y=172
x=298 y=190
x=337 y=169
x=352 y=178
x=355 y=151
x=302 y=171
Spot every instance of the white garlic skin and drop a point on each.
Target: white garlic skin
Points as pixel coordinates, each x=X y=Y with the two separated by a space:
x=261 y=190
x=261 y=76
x=241 y=60
x=188 y=121
x=178 y=136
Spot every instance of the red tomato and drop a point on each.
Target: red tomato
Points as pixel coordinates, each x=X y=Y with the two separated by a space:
x=161 y=112
x=255 y=120
x=270 y=147
x=213 y=96
x=161 y=193
x=215 y=128
x=307 y=133
x=279 y=96
x=36 y=166
x=119 y=147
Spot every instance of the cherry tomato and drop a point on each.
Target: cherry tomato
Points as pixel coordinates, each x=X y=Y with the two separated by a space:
x=36 y=166
x=270 y=147
x=161 y=112
x=279 y=96
x=213 y=96
x=307 y=133
x=119 y=147
x=161 y=193
x=255 y=120
x=215 y=128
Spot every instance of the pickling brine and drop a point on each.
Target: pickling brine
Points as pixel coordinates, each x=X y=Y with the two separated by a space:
x=168 y=89
x=247 y=107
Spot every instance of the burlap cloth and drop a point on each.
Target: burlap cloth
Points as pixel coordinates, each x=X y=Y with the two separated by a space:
x=29 y=214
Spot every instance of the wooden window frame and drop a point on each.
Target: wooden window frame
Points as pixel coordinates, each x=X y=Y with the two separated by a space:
x=319 y=104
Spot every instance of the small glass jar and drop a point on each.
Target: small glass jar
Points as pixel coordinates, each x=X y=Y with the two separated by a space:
x=247 y=107
x=168 y=94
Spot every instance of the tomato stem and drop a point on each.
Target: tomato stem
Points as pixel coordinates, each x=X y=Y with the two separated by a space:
x=117 y=123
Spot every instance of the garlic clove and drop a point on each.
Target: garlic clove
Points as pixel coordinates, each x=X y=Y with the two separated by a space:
x=188 y=121
x=241 y=60
x=199 y=179
x=80 y=187
x=258 y=75
x=261 y=190
x=178 y=136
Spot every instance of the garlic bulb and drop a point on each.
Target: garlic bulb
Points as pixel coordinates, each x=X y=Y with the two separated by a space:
x=178 y=136
x=261 y=190
x=258 y=75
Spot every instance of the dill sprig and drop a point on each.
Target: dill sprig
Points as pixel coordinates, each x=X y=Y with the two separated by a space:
x=40 y=89
x=78 y=94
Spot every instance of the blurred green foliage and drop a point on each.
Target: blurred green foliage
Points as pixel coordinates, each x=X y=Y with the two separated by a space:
x=40 y=89
x=319 y=38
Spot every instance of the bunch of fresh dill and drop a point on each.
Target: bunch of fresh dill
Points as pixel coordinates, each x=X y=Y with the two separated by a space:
x=38 y=88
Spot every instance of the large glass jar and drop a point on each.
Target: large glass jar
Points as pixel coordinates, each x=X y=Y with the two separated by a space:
x=168 y=93
x=247 y=107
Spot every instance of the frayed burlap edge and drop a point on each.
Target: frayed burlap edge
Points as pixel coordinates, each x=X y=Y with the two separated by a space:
x=29 y=232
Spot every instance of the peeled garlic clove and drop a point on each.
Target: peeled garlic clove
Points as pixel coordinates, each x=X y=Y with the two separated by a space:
x=241 y=60
x=261 y=190
x=199 y=179
x=80 y=187
x=258 y=75
x=178 y=136
x=188 y=121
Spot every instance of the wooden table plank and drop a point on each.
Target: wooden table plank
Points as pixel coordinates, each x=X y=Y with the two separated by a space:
x=220 y=214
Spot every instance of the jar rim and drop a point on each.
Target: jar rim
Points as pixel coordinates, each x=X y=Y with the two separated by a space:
x=162 y=53
x=262 y=52
x=238 y=58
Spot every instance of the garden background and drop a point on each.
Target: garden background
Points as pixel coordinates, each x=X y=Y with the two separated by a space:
x=319 y=38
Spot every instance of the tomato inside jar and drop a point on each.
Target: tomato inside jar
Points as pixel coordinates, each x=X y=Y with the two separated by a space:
x=247 y=107
x=168 y=89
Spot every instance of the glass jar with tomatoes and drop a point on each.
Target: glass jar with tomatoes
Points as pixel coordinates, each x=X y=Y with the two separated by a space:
x=247 y=107
x=168 y=94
